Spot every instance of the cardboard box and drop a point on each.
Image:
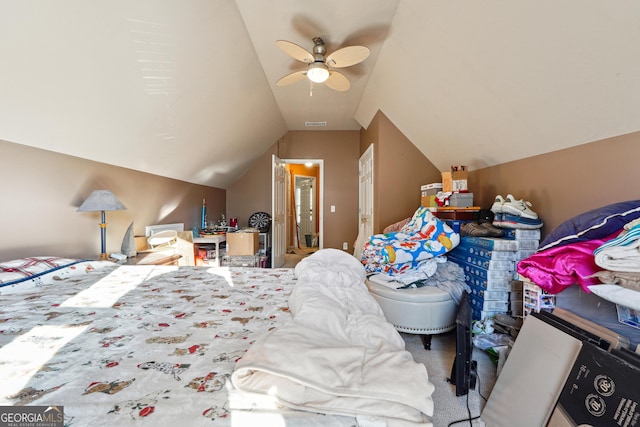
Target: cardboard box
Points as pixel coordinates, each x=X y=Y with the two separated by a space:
x=240 y=243
x=454 y=181
x=428 y=202
x=454 y=224
x=601 y=390
x=430 y=189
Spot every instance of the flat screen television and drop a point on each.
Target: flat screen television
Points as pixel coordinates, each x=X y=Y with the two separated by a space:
x=463 y=371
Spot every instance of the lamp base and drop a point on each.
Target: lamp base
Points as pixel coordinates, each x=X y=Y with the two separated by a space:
x=104 y=257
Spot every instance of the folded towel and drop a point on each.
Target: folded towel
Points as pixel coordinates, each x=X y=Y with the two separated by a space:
x=620 y=258
x=629 y=280
x=627 y=237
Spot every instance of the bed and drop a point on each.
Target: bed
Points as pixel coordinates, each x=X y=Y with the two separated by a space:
x=163 y=345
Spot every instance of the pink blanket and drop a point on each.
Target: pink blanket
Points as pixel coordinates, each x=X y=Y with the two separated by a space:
x=559 y=267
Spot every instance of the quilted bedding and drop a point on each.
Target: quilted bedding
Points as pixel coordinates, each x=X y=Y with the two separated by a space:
x=137 y=345
x=423 y=237
x=337 y=355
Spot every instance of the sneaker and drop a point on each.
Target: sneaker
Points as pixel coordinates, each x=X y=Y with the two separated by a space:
x=496 y=208
x=497 y=220
x=493 y=230
x=518 y=207
x=484 y=215
x=516 y=221
x=473 y=229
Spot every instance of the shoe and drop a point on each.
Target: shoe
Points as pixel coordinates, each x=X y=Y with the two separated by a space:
x=497 y=220
x=473 y=229
x=484 y=215
x=496 y=208
x=493 y=230
x=516 y=221
x=518 y=207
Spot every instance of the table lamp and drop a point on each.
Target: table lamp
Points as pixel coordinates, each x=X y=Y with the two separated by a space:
x=101 y=201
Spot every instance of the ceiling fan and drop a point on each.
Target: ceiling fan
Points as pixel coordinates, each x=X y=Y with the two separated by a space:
x=320 y=69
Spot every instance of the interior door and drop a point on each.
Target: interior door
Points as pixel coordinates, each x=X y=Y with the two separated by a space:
x=305 y=201
x=365 y=203
x=278 y=212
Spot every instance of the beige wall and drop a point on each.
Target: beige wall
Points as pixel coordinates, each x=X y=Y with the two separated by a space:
x=338 y=150
x=42 y=190
x=567 y=182
x=400 y=169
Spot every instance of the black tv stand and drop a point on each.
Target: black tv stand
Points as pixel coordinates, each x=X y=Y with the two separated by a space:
x=426 y=341
x=463 y=371
x=473 y=373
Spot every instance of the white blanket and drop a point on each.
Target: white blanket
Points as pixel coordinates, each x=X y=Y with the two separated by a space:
x=338 y=354
x=620 y=258
x=623 y=252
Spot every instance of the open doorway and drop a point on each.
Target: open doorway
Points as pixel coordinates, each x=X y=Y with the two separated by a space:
x=304 y=197
x=304 y=205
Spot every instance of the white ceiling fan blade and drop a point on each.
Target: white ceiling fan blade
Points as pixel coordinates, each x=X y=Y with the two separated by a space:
x=347 y=56
x=292 y=78
x=296 y=52
x=337 y=81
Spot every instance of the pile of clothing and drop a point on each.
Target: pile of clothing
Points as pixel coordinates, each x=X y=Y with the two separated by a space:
x=620 y=257
x=598 y=246
x=423 y=237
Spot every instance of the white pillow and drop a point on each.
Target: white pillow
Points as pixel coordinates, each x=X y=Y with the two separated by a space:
x=618 y=295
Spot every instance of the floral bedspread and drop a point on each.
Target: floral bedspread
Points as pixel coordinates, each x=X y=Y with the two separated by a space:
x=144 y=345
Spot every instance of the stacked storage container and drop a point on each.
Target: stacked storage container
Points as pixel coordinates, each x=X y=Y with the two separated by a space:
x=528 y=242
x=490 y=270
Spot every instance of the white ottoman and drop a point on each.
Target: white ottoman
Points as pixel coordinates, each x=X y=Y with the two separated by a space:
x=424 y=311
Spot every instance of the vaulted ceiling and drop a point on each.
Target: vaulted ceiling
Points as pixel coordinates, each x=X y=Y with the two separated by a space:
x=187 y=89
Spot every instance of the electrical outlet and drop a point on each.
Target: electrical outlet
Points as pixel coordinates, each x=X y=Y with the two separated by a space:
x=345 y=246
x=333 y=208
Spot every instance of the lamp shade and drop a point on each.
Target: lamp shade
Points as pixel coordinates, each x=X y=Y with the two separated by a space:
x=101 y=200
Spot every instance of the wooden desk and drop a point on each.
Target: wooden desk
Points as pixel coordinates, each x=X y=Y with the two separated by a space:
x=214 y=239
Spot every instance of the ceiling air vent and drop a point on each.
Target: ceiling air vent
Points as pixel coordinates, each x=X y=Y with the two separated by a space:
x=314 y=124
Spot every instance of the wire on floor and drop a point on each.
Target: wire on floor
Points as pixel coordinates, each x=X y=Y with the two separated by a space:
x=470 y=419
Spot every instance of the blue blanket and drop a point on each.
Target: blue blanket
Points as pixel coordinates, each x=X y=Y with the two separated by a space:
x=422 y=238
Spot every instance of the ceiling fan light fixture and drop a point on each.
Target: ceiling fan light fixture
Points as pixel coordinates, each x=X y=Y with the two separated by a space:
x=318 y=72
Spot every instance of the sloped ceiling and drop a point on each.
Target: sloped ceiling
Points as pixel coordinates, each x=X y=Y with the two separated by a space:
x=186 y=89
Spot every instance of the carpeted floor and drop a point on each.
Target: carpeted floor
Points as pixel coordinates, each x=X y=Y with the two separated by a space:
x=447 y=407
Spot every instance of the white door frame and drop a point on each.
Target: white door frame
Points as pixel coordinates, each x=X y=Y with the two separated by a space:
x=309 y=221
x=320 y=189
